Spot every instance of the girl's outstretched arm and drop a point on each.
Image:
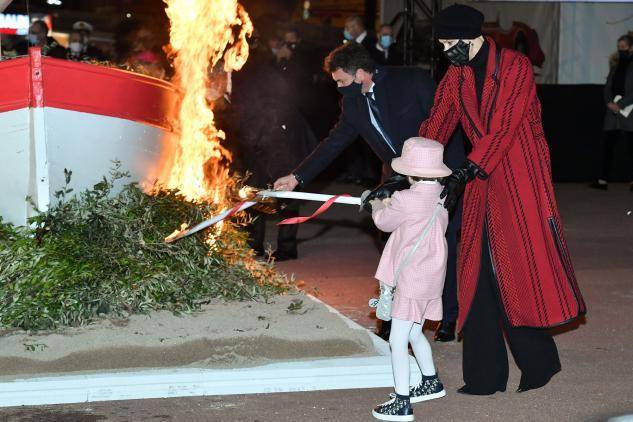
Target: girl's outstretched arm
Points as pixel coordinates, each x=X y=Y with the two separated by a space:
x=389 y=217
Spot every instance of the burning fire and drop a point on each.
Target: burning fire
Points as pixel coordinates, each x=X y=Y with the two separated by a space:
x=202 y=33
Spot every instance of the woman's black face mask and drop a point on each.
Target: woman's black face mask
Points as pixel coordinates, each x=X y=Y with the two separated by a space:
x=459 y=53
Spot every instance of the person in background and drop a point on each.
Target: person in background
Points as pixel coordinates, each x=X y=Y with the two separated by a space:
x=302 y=50
x=384 y=51
x=355 y=31
x=293 y=63
x=139 y=50
x=89 y=52
x=38 y=37
x=76 y=46
x=79 y=50
x=268 y=135
x=297 y=61
x=362 y=166
x=274 y=45
x=618 y=95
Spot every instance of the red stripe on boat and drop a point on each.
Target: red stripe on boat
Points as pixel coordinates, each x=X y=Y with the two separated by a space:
x=45 y=81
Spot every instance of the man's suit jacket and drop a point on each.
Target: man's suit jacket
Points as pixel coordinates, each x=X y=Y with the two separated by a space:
x=394 y=58
x=404 y=96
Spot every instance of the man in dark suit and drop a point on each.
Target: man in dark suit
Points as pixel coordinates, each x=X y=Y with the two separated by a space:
x=382 y=105
x=384 y=52
x=385 y=107
x=355 y=31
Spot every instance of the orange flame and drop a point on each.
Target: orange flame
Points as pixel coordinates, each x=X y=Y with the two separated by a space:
x=202 y=32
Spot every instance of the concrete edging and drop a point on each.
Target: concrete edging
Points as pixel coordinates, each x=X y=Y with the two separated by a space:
x=309 y=375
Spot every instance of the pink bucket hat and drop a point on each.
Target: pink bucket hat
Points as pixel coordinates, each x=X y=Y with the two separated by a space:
x=421 y=157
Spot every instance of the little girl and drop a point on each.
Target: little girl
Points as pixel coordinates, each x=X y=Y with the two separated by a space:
x=419 y=281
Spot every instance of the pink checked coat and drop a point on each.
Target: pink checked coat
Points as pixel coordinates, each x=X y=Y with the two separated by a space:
x=419 y=288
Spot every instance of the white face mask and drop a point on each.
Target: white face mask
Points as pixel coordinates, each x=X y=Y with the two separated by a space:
x=76 y=47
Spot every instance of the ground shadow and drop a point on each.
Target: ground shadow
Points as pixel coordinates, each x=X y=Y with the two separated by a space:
x=39 y=415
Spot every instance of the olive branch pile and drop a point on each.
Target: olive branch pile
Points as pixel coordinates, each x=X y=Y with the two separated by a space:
x=103 y=253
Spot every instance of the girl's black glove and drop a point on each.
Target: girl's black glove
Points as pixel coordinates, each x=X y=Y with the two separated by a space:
x=395 y=183
x=455 y=184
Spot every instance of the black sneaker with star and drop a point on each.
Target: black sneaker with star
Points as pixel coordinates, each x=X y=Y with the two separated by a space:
x=429 y=388
x=396 y=409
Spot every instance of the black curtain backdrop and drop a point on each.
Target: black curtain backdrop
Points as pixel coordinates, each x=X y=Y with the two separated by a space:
x=572 y=119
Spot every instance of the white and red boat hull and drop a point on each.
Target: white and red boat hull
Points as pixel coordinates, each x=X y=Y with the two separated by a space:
x=57 y=114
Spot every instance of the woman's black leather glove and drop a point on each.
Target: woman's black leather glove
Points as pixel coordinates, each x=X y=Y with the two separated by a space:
x=455 y=184
x=395 y=183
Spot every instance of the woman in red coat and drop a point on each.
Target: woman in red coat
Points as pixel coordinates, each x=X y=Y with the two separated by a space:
x=515 y=274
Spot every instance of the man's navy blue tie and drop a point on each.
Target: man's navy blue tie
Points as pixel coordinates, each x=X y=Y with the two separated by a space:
x=374 y=110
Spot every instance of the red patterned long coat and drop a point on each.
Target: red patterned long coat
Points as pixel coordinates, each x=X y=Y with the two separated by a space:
x=530 y=257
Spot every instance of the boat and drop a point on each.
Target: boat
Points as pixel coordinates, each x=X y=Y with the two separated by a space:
x=59 y=114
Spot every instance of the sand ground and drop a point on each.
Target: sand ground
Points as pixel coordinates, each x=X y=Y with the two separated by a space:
x=221 y=335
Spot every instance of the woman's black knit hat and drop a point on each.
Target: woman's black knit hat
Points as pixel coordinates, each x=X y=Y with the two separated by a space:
x=458 y=22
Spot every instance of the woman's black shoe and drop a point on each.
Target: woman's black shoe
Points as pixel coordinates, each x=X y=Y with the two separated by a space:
x=526 y=385
x=446 y=332
x=466 y=390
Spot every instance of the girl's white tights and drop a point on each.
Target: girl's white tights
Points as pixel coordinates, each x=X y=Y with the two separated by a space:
x=403 y=333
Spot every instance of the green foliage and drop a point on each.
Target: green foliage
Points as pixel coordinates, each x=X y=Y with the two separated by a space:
x=96 y=252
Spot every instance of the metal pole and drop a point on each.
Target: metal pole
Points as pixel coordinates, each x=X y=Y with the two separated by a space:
x=436 y=5
x=370 y=15
x=405 y=28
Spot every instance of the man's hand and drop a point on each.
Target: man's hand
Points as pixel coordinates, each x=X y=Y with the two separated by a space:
x=287 y=183
x=455 y=184
x=614 y=107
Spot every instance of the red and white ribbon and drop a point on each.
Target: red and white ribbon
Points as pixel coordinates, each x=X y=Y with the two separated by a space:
x=323 y=208
x=328 y=201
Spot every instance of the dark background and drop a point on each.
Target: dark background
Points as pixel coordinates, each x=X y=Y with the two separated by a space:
x=572 y=114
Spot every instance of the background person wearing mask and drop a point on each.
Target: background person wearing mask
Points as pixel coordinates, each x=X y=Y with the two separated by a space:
x=268 y=135
x=79 y=50
x=619 y=83
x=362 y=166
x=38 y=37
x=384 y=51
x=89 y=51
x=139 y=49
x=355 y=31
x=295 y=61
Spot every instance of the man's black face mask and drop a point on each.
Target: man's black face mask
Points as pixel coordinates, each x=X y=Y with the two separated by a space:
x=458 y=54
x=352 y=89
